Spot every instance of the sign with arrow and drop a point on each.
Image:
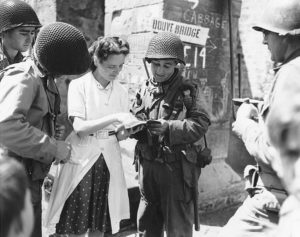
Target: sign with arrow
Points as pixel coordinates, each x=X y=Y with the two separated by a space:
x=188 y=33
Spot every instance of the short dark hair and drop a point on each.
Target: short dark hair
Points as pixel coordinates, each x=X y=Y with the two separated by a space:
x=13 y=187
x=105 y=46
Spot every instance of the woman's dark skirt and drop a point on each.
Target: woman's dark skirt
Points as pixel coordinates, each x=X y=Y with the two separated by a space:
x=87 y=207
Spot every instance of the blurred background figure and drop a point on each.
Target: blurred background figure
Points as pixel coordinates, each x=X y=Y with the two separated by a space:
x=16 y=212
x=283 y=122
x=18 y=27
x=259 y=214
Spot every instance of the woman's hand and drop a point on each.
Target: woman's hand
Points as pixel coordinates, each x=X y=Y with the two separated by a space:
x=122 y=133
x=124 y=118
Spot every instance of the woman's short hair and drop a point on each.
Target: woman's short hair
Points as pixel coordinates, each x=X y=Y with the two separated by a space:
x=105 y=46
x=13 y=187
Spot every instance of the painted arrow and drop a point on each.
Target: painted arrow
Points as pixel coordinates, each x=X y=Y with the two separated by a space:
x=196 y=3
x=210 y=45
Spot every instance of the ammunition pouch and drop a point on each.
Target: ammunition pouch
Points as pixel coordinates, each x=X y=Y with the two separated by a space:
x=191 y=170
x=198 y=155
x=204 y=157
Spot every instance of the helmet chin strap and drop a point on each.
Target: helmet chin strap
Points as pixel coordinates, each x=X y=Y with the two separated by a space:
x=39 y=66
x=170 y=79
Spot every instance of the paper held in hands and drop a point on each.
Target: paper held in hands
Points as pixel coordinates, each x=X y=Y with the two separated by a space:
x=135 y=126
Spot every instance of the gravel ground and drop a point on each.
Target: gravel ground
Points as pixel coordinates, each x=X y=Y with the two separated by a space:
x=211 y=224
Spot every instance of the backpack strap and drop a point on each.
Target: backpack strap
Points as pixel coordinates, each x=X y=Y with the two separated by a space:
x=54 y=100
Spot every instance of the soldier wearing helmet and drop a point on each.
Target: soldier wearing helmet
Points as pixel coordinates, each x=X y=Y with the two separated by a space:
x=18 y=26
x=283 y=123
x=30 y=102
x=259 y=214
x=168 y=170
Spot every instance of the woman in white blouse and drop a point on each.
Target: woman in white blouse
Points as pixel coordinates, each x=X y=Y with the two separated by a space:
x=90 y=194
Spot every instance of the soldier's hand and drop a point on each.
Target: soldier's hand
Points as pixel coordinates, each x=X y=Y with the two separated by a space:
x=59 y=132
x=158 y=127
x=63 y=152
x=247 y=110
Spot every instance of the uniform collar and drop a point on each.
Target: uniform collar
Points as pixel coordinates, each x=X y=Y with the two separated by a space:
x=292 y=56
x=18 y=58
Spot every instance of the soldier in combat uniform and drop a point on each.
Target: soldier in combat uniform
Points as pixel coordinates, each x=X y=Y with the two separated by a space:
x=168 y=171
x=30 y=103
x=283 y=122
x=259 y=214
x=18 y=27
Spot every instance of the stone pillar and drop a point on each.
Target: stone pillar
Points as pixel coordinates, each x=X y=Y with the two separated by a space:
x=132 y=19
x=207 y=65
x=86 y=15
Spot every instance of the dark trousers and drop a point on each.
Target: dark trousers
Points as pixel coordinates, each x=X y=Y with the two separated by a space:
x=166 y=202
x=36 y=197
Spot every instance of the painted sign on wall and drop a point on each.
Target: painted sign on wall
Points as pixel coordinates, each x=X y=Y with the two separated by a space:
x=207 y=64
x=187 y=32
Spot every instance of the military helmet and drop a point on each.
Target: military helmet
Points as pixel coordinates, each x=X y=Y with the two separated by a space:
x=282 y=17
x=165 y=45
x=15 y=13
x=61 y=49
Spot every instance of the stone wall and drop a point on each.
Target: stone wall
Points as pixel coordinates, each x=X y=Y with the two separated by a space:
x=86 y=15
x=256 y=67
x=132 y=19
